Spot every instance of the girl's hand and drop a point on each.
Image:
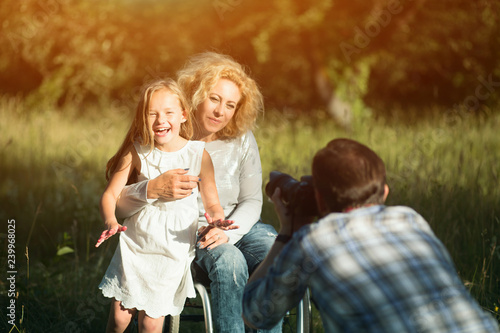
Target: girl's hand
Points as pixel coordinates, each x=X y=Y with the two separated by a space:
x=212 y=235
x=221 y=224
x=113 y=228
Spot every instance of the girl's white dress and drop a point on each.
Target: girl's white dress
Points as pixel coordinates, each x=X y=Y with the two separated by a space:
x=150 y=269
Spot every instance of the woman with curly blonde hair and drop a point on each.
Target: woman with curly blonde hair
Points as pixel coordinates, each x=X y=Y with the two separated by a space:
x=226 y=102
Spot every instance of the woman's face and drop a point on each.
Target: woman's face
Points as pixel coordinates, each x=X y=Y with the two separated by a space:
x=215 y=112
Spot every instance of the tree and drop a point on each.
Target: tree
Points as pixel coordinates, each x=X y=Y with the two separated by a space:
x=345 y=56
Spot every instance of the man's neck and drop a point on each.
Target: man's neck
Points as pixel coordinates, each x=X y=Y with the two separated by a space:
x=351 y=208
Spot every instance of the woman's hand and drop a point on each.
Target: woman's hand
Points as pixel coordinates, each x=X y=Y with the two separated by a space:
x=171 y=185
x=113 y=228
x=213 y=235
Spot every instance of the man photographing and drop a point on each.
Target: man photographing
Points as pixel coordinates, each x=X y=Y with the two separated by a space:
x=369 y=267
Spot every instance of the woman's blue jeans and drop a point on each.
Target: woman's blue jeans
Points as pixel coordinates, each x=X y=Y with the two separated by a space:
x=228 y=267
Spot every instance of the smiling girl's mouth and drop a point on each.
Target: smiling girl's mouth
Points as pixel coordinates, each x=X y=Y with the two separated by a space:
x=162 y=131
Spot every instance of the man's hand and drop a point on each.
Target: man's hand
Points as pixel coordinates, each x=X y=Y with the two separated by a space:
x=289 y=223
x=171 y=185
x=285 y=218
x=113 y=228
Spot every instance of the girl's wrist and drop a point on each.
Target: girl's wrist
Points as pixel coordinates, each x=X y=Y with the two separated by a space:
x=111 y=222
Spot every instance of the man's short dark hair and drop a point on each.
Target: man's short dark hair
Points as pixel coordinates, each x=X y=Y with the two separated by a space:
x=348 y=174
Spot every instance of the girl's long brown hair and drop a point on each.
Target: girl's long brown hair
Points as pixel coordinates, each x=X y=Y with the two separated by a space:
x=139 y=129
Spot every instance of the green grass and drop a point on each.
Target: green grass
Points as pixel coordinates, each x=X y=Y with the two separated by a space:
x=52 y=175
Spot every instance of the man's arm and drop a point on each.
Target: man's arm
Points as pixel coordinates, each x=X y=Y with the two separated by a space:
x=287 y=227
x=278 y=284
x=264 y=266
x=267 y=299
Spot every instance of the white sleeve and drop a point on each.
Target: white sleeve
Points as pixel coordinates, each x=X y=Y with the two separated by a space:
x=249 y=207
x=132 y=199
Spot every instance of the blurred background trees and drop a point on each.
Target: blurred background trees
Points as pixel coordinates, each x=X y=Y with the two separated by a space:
x=347 y=57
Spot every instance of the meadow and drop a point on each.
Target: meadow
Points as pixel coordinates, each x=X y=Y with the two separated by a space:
x=52 y=176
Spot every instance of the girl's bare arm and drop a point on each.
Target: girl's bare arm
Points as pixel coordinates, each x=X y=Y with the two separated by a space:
x=208 y=191
x=129 y=162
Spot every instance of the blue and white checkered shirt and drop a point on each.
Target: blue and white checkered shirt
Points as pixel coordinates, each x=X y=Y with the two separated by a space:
x=374 y=269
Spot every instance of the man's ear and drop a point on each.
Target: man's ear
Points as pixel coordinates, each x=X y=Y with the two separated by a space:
x=386 y=191
x=320 y=204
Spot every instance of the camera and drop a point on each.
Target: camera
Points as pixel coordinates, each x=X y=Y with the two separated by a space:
x=297 y=196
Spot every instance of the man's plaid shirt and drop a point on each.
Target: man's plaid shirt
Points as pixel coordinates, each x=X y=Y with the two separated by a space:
x=374 y=269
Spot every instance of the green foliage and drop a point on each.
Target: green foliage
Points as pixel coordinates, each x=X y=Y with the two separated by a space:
x=378 y=54
x=87 y=51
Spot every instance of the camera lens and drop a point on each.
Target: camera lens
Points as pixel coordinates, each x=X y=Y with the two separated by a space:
x=297 y=196
x=281 y=180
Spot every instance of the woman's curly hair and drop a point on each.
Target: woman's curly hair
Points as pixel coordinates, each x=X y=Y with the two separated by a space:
x=202 y=72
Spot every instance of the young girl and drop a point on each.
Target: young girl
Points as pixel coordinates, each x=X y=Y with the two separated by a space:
x=150 y=270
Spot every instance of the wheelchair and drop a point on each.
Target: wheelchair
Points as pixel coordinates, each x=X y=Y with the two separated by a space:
x=172 y=324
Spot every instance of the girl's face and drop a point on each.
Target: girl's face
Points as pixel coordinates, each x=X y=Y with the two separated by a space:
x=165 y=118
x=215 y=112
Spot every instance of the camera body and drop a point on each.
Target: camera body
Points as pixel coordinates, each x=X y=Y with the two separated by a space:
x=297 y=196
